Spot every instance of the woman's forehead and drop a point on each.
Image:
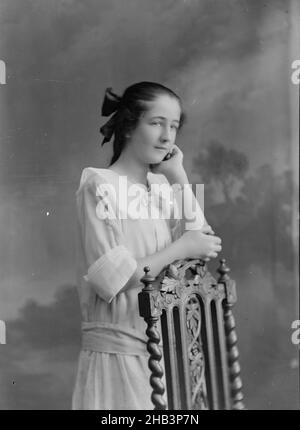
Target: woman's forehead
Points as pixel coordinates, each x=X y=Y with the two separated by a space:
x=164 y=106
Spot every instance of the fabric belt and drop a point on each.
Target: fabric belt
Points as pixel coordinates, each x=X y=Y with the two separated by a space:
x=113 y=338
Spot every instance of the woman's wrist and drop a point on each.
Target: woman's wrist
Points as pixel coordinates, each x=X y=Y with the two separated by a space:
x=178 y=177
x=186 y=202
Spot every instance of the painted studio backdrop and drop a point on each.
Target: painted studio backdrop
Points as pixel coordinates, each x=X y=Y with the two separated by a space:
x=231 y=63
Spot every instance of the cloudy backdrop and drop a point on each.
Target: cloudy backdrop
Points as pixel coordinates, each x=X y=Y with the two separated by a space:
x=231 y=63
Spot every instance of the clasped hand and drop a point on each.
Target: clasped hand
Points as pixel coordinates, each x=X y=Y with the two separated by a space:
x=201 y=243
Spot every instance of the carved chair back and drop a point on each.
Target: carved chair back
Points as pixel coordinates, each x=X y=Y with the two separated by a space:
x=190 y=313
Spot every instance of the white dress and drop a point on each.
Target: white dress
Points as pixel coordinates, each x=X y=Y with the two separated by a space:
x=113 y=363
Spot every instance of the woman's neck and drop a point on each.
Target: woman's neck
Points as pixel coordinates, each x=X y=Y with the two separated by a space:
x=136 y=173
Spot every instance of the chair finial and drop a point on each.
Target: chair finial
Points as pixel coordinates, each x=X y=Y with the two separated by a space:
x=223 y=270
x=147 y=280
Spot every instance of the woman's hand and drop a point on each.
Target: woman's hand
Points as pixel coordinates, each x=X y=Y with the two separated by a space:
x=197 y=244
x=207 y=229
x=171 y=164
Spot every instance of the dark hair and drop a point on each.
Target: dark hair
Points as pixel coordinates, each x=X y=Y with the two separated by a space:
x=133 y=104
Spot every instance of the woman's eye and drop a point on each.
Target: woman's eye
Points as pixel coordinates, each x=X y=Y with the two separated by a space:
x=156 y=123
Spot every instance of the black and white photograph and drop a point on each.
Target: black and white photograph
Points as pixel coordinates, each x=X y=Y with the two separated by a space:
x=149 y=206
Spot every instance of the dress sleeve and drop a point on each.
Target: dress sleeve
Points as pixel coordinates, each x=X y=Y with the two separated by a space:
x=187 y=213
x=168 y=202
x=110 y=263
x=176 y=221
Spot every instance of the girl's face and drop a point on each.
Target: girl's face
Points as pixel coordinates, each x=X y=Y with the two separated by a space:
x=156 y=130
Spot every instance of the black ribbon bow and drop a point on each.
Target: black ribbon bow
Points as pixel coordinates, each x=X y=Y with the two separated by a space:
x=110 y=105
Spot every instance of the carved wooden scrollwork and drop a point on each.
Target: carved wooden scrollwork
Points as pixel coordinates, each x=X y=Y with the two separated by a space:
x=195 y=354
x=174 y=278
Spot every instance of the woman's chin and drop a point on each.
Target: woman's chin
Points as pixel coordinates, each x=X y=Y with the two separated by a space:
x=155 y=159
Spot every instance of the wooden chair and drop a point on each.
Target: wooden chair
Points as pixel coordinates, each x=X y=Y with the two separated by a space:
x=191 y=313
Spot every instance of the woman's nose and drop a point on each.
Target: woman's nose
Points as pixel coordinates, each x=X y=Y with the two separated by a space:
x=166 y=134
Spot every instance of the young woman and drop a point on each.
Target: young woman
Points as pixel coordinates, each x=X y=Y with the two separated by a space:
x=115 y=244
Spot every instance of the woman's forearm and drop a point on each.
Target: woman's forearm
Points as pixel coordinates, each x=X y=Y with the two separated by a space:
x=190 y=211
x=156 y=263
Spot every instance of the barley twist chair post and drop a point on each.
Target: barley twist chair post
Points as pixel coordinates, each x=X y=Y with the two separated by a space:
x=231 y=337
x=151 y=315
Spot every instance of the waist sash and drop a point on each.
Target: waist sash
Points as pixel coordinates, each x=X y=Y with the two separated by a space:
x=113 y=338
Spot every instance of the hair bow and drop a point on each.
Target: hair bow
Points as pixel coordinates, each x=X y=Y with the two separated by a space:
x=111 y=104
